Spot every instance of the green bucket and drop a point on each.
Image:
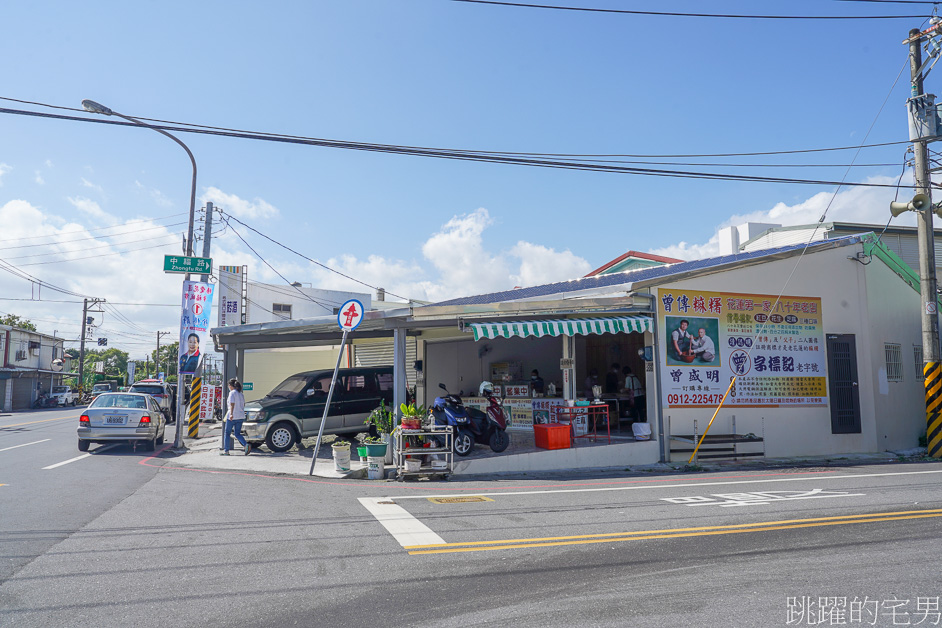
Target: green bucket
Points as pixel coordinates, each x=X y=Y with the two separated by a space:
x=362 y=452
x=376 y=450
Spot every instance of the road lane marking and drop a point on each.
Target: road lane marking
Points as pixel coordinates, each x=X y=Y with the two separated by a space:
x=65 y=462
x=405 y=528
x=66 y=418
x=25 y=444
x=618 y=537
x=681 y=485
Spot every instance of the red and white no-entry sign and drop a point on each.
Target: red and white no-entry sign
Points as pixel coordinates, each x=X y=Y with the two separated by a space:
x=350 y=315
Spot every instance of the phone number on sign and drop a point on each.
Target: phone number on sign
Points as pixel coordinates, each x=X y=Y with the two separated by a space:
x=685 y=399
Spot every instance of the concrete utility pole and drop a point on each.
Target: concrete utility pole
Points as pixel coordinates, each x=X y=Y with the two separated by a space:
x=157 y=355
x=930 y=317
x=207 y=235
x=81 y=373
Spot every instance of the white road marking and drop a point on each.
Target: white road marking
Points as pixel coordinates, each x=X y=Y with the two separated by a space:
x=398 y=522
x=648 y=487
x=97 y=451
x=25 y=444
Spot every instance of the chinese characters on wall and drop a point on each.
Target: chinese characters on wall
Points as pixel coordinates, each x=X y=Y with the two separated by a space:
x=773 y=346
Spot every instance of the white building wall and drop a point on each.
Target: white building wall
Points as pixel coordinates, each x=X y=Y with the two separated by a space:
x=843 y=286
x=261 y=298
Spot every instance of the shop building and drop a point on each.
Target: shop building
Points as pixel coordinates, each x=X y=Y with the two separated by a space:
x=824 y=343
x=30 y=363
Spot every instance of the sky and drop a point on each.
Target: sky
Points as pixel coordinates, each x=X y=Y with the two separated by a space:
x=91 y=209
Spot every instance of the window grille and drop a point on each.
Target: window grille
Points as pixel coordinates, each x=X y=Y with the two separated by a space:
x=894 y=362
x=282 y=311
x=917 y=358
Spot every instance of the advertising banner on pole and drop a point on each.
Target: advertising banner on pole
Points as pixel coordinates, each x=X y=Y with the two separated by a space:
x=210 y=396
x=230 y=295
x=775 y=350
x=194 y=324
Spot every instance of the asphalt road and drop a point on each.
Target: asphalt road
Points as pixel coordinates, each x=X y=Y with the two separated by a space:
x=122 y=538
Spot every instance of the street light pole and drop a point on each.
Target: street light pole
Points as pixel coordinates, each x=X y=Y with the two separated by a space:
x=94 y=107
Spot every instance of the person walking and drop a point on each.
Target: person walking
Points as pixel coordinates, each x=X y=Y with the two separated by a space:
x=234 y=418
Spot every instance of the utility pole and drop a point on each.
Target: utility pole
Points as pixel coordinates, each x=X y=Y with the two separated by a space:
x=930 y=318
x=207 y=235
x=157 y=355
x=81 y=382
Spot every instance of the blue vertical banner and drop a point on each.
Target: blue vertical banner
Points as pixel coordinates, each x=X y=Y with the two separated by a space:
x=194 y=323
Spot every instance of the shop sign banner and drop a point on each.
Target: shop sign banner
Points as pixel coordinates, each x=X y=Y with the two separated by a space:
x=194 y=323
x=230 y=295
x=775 y=350
x=210 y=395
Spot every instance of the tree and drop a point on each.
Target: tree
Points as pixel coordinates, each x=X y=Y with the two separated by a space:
x=114 y=362
x=15 y=321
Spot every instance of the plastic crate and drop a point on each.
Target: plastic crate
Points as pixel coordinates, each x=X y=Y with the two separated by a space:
x=551 y=436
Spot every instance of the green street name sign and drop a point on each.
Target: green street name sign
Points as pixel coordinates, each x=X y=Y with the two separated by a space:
x=248 y=385
x=184 y=264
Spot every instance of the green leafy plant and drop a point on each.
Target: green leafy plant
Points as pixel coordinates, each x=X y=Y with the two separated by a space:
x=382 y=419
x=374 y=440
x=411 y=410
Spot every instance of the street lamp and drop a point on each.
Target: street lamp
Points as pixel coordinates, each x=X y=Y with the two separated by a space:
x=94 y=107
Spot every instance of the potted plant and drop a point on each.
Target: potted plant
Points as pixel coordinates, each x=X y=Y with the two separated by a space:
x=382 y=422
x=375 y=446
x=412 y=415
x=341 y=451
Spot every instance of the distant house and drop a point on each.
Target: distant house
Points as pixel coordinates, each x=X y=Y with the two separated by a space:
x=632 y=260
x=30 y=363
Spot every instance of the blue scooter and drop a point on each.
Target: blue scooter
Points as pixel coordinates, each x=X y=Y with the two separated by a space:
x=449 y=410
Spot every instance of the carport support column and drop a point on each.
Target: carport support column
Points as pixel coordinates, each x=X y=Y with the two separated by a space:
x=569 y=375
x=399 y=368
x=240 y=365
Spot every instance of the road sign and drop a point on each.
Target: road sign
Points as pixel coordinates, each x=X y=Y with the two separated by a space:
x=184 y=264
x=350 y=315
x=248 y=385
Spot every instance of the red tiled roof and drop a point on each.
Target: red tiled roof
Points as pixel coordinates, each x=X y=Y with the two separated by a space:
x=637 y=254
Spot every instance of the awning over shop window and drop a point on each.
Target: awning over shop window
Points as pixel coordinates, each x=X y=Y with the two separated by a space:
x=562 y=327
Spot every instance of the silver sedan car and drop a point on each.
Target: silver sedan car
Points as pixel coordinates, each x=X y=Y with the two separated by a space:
x=120 y=417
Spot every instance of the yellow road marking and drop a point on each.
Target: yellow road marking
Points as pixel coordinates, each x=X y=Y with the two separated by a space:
x=791 y=524
x=68 y=418
x=461 y=499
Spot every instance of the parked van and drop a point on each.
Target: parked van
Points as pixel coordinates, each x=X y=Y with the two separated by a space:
x=293 y=410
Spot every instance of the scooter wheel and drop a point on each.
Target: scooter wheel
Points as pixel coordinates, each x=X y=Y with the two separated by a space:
x=464 y=442
x=499 y=441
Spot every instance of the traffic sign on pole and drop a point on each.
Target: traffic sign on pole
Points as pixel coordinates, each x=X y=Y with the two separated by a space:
x=184 y=264
x=350 y=315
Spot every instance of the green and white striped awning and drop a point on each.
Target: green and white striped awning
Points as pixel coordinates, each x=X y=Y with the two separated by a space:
x=562 y=327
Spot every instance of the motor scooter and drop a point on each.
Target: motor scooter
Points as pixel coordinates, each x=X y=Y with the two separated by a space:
x=449 y=410
x=490 y=426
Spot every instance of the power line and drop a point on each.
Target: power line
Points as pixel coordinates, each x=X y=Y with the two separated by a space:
x=110 y=245
x=83 y=230
x=705 y=15
x=469 y=156
x=301 y=255
x=112 y=235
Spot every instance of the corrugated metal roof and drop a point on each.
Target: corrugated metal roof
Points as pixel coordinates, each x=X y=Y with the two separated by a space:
x=604 y=283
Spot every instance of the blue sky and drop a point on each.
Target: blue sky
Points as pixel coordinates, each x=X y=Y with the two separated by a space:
x=432 y=73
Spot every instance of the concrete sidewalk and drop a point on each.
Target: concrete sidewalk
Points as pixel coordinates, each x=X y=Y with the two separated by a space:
x=521 y=459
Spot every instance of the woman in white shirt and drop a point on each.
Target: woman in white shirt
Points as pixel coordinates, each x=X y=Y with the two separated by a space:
x=234 y=418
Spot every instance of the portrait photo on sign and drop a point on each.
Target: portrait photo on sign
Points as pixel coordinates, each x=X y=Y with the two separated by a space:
x=692 y=341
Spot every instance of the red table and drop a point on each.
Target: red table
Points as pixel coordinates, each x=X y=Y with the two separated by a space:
x=593 y=413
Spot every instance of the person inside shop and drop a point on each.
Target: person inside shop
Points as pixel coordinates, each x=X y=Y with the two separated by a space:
x=592 y=379
x=635 y=390
x=191 y=359
x=613 y=379
x=536 y=382
x=702 y=346
x=681 y=339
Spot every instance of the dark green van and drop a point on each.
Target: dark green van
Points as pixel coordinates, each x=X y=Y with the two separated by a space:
x=293 y=410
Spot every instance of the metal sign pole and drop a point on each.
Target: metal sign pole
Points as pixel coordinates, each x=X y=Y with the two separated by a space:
x=330 y=393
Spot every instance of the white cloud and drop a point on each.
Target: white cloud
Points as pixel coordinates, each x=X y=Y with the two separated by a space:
x=156 y=195
x=91 y=208
x=49 y=163
x=39 y=178
x=240 y=208
x=854 y=204
x=3 y=170
x=457 y=262
x=89 y=184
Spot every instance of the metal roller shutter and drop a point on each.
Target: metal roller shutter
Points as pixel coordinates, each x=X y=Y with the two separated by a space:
x=381 y=354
